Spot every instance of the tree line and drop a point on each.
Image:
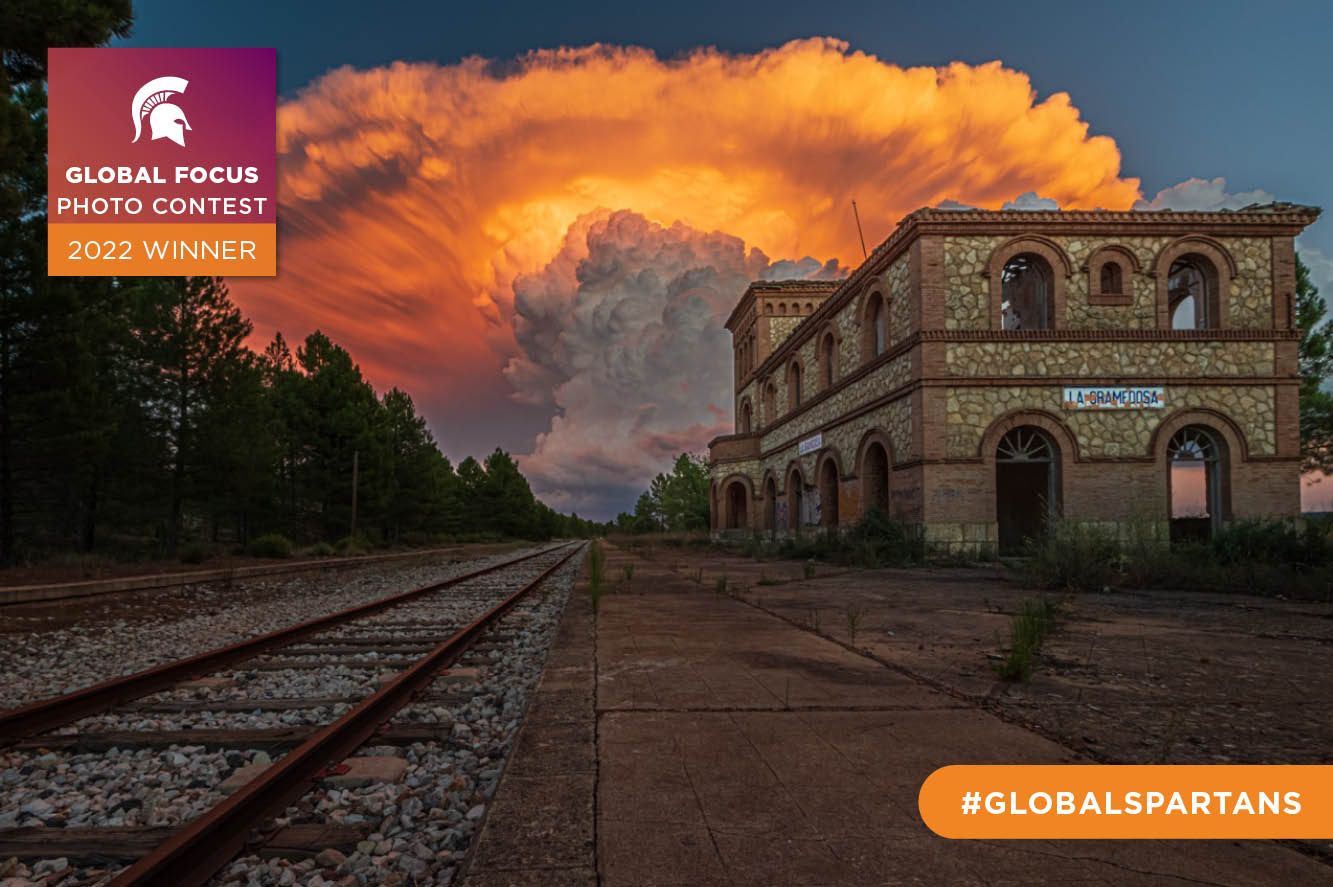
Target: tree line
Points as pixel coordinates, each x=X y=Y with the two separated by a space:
x=133 y=416
x=675 y=501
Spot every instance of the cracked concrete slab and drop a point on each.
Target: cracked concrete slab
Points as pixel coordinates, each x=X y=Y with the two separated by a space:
x=735 y=746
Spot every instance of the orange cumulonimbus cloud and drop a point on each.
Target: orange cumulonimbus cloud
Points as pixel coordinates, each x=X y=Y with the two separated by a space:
x=412 y=196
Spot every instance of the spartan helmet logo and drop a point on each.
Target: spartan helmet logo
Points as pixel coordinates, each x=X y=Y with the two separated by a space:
x=165 y=119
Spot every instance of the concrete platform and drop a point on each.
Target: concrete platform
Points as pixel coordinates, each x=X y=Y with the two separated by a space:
x=735 y=748
x=732 y=747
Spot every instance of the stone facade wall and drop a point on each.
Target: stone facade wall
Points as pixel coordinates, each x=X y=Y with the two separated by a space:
x=1250 y=303
x=1142 y=358
x=850 y=397
x=780 y=328
x=1108 y=433
x=967 y=305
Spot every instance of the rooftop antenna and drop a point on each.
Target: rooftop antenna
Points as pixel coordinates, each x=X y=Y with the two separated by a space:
x=859 y=232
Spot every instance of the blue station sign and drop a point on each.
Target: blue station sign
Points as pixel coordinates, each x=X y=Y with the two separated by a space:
x=1152 y=398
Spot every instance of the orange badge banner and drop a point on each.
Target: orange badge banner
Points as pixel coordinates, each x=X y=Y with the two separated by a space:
x=1129 y=801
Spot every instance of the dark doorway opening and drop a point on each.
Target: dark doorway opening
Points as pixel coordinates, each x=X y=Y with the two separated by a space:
x=770 y=504
x=875 y=479
x=795 y=500
x=1026 y=488
x=828 y=494
x=736 y=511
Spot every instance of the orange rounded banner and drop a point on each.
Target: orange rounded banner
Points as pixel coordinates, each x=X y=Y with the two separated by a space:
x=1077 y=801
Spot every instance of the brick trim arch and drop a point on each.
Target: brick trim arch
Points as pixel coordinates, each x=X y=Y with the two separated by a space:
x=1065 y=440
x=1054 y=256
x=828 y=329
x=796 y=372
x=830 y=454
x=874 y=435
x=770 y=474
x=1234 y=448
x=877 y=287
x=867 y=484
x=1129 y=266
x=746 y=404
x=1224 y=425
x=724 y=500
x=793 y=467
x=1224 y=268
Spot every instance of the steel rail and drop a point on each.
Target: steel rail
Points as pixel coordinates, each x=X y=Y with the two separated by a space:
x=197 y=851
x=57 y=711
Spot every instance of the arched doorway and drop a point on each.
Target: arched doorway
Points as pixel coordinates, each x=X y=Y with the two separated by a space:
x=1196 y=459
x=828 y=493
x=875 y=478
x=1027 y=487
x=770 y=504
x=736 y=506
x=795 y=499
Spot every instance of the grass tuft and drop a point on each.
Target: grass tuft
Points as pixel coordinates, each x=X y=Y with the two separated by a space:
x=1027 y=629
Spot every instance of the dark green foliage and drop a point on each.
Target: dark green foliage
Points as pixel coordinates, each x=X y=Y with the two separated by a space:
x=270 y=545
x=1027 y=629
x=1075 y=556
x=1316 y=364
x=596 y=570
x=1250 y=556
x=1275 y=543
x=133 y=417
x=874 y=541
x=676 y=502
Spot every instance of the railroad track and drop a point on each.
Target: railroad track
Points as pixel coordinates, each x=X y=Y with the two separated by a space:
x=431 y=680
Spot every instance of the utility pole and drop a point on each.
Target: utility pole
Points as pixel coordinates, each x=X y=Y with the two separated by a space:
x=356 y=465
x=859 y=232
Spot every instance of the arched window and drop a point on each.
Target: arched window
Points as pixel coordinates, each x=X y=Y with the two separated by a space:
x=809 y=307
x=1195 y=457
x=794 y=386
x=768 y=307
x=782 y=307
x=770 y=504
x=828 y=360
x=1191 y=290
x=746 y=417
x=770 y=402
x=1027 y=487
x=1025 y=302
x=1112 y=282
x=874 y=327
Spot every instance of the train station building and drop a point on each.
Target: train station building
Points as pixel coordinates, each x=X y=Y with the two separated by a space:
x=985 y=372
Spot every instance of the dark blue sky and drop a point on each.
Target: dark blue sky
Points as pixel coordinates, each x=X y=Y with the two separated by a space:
x=1230 y=89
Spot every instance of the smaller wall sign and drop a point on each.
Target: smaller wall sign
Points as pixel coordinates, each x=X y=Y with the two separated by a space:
x=1115 y=398
x=810 y=444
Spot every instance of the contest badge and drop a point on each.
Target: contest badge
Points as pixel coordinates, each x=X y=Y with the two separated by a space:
x=162 y=162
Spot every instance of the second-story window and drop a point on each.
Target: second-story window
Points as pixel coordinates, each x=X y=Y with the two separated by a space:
x=874 y=327
x=770 y=402
x=746 y=418
x=1112 y=281
x=1192 y=294
x=828 y=359
x=1026 y=293
x=794 y=386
